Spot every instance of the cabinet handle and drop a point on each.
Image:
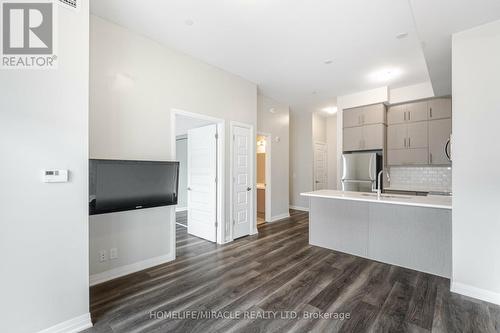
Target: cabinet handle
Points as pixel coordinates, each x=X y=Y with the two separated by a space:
x=409 y=142
x=430 y=155
x=409 y=115
x=430 y=113
x=405 y=115
x=404 y=142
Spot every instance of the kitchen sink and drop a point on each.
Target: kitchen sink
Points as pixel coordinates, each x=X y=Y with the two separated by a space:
x=388 y=196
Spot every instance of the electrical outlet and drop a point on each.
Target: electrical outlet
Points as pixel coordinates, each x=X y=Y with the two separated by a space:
x=113 y=253
x=103 y=256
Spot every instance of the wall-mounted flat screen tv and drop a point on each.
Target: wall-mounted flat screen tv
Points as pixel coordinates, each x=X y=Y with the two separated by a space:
x=119 y=185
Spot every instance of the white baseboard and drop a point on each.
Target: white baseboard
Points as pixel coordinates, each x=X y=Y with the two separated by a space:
x=74 y=325
x=129 y=269
x=304 y=209
x=474 y=292
x=181 y=209
x=280 y=217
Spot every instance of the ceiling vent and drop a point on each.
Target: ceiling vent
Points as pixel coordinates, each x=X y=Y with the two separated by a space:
x=72 y=4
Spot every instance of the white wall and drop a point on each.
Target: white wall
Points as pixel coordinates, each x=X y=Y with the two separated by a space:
x=44 y=227
x=476 y=119
x=411 y=93
x=318 y=127
x=331 y=139
x=181 y=156
x=301 y=157
x=278 y=125
x=135 y=82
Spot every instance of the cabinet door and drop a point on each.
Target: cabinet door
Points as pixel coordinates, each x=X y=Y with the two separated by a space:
x=416 y=156
x=439 y=134
x=353 y=138
x=352 y=117
x=396 y=114
x=440 y=108
x=418 y=135
x=374 y=114
x=407 y=156
x=395 y=156
x=416 y=111
x=373 y=136
x=397 y=136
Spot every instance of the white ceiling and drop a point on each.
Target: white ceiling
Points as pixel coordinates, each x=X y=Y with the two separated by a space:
x=281 y=45
x=437 y=20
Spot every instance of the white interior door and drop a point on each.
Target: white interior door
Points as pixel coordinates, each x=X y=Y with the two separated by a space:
x=242 y=181
x=202 y=185
x=320 y=166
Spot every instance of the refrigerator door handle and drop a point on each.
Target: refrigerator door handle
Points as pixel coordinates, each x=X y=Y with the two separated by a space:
x=446 y=147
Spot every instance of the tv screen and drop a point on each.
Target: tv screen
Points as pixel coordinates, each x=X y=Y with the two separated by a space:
x=117 y=185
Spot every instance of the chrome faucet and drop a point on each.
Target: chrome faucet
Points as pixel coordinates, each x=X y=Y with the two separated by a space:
x=379 y=183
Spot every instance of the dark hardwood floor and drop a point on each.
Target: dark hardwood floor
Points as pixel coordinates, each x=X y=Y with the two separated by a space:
x=277 y=271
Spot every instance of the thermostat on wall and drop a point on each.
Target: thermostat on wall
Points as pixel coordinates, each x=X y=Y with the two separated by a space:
x=55 y=176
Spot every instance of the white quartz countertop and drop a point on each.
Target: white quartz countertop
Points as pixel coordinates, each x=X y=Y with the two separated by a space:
x=430 y=201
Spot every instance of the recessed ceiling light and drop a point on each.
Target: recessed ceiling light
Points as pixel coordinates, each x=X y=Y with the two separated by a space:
x=330 y=110
x=385 y=75
x=328 y=61
x=402 y=35
x=189 y=22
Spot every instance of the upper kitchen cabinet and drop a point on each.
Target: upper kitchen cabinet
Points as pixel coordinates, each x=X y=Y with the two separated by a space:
x=406 y=113
x=364 y=128
x=365 y=115
x=439 y=137
x=439 y=108
x=353 y=117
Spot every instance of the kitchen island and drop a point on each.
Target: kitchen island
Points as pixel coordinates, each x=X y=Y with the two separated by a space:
x=408 y=231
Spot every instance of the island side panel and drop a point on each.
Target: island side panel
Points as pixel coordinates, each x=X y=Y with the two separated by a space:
x=339 y=225
x=414 y=237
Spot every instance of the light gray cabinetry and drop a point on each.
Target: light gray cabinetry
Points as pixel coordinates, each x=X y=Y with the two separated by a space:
x=364 y=115
x=417 y=135
x=417 y=132
x=406 y=113
x=439 y=134
x=353 y=138
x=439 y=108
x=412 y=156
x=364 y=128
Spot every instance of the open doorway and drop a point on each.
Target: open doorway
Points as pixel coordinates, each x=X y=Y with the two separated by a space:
x=198 y=146
x=263 y=178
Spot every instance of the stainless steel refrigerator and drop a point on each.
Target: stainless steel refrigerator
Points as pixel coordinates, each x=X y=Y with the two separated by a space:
x=359 y=171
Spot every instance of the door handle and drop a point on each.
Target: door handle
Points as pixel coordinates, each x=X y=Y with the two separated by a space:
x=249 y=188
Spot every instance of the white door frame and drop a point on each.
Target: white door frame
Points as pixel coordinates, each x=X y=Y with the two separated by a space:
x=314 y=161
x=221 y=148
x=253 y=173
x=268 y=137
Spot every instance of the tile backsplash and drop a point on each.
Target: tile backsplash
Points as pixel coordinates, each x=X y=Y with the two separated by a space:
x=421 y=178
